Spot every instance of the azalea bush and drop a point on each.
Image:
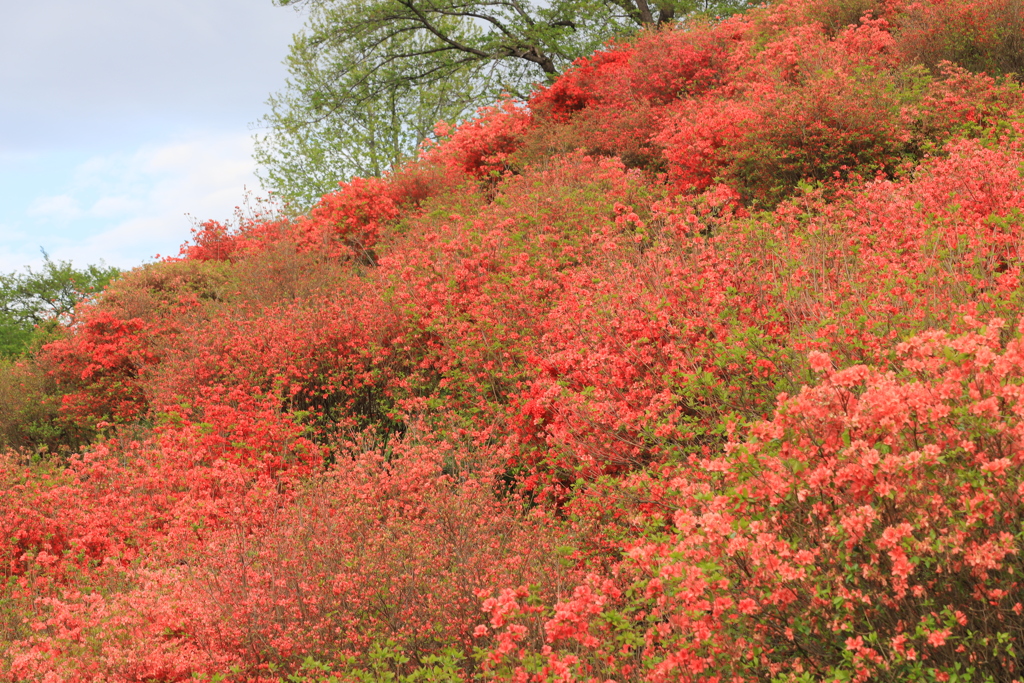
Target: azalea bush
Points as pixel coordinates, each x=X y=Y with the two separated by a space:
x=869 y=530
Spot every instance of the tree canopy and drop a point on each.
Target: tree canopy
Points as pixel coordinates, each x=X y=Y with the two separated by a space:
x=370 y=79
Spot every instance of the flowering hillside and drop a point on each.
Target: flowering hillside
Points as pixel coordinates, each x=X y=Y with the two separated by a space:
x=705 y=364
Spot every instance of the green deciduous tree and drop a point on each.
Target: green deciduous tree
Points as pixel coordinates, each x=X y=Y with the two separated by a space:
x=337 y=118
x=369 y=78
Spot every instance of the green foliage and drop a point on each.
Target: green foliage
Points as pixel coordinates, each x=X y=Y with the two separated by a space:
x=387 y=664
x=338 y=118
x=33 y=303
x=30 y=419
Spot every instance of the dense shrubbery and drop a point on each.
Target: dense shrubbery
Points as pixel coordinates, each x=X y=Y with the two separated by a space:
x=705 y=365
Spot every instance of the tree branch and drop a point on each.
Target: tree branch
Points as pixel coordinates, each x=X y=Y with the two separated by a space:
x=442 y=36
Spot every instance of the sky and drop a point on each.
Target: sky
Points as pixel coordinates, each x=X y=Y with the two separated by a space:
x=123 y=122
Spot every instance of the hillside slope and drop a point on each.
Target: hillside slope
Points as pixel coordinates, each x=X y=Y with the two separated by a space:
x=704 y=364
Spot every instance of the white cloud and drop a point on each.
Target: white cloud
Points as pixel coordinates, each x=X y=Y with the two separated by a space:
x=61 y=207
x=106 y=207
x=10 y=258
x=125 y=208
x=97 y=73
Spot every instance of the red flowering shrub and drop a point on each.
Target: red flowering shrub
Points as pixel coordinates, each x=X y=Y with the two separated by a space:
x=810 y=109
x=97 y=369
x=481 y=148
x=609 y=104
x=868 y=530
x=675 y=65
x=979 y=35
x=415 y=182
x=211 y=241
x=965 y=104
x=391 y=551
x=351 y=218
x=583 y=85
